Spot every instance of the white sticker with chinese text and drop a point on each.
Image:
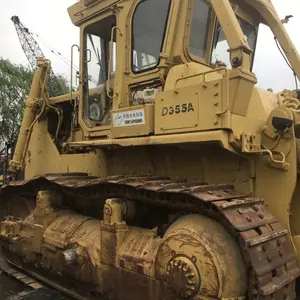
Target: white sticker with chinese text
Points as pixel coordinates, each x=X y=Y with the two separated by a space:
x=129 y=118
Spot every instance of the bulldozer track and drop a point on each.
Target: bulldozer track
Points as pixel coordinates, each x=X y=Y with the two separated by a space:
x=265 y=245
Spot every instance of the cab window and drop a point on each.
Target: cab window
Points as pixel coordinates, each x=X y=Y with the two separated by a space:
x=97 y=59
x=201 y=17
x=149 y=26
x=220 y=45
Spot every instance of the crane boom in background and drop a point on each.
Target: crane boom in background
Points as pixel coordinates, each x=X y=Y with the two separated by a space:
x=33 y=51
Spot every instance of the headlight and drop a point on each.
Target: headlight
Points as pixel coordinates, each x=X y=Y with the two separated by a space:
x=94 y=112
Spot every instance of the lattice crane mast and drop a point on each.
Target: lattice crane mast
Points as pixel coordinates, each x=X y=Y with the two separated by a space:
x=32 y=51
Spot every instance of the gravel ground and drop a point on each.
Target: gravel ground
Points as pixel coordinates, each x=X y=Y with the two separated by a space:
x=9 y=286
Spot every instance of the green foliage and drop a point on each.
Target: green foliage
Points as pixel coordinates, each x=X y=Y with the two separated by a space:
x=15 y=83
x=63 y=83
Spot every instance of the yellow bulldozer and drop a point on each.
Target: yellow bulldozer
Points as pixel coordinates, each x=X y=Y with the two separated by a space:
x=169 y=174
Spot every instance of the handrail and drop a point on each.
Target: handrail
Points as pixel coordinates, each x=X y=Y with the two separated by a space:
x=115 y=28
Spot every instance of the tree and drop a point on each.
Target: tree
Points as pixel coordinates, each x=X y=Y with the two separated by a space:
x=15 y=84
x=63 y=83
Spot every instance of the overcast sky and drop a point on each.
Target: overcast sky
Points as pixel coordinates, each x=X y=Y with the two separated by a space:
x=49 y=19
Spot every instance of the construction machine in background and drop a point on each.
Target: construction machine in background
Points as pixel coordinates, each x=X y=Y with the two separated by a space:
x=32 y=52
x=181 y=182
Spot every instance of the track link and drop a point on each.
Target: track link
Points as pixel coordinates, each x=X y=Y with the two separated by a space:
x=264 y=243
x=19 y=275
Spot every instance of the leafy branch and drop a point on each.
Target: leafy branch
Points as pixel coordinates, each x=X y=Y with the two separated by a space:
x=15 y=83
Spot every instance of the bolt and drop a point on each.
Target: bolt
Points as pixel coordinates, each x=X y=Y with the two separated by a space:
x=240 y=211
x=236 y=62
x=269 y=258
x=280 y=253
x=261 y=216
x=264 y=248
x=248 y=219
x=255 y=207
x=216 y=94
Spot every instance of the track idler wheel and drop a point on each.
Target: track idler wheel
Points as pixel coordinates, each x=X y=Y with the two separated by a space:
x=199 y=258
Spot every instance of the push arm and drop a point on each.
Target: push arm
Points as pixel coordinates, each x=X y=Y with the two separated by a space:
x=31 y=115
x=239 y=48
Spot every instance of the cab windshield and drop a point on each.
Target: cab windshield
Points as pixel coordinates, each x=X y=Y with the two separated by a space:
x=220 y=45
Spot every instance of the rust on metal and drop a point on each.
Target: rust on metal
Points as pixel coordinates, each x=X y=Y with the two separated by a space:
x=265 y=254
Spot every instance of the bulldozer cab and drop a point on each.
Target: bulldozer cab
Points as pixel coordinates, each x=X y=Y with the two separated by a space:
x=128 y=49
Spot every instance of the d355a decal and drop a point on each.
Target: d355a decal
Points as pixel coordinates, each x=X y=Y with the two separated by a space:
x=177 y=109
